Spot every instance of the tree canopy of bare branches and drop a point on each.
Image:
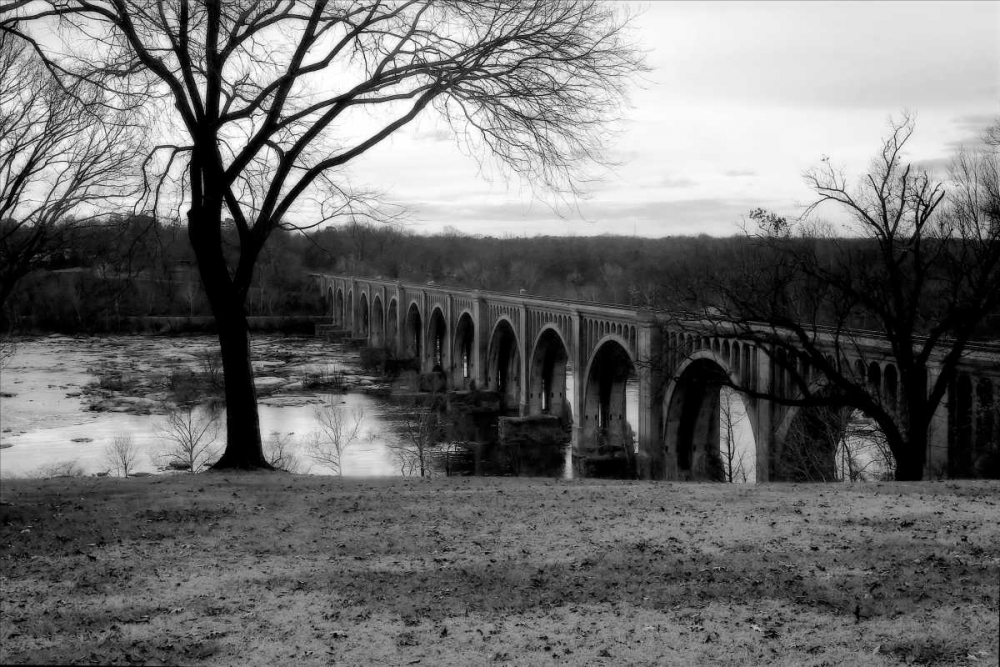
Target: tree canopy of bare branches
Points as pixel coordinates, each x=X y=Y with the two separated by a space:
x=190 y=434
x=919 y=268
x=272 y=99
x=63 y=156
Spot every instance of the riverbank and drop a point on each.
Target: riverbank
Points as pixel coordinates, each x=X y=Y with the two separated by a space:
x=281 y=569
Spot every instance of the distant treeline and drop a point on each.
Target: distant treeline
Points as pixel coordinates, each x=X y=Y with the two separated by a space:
x=134 y=266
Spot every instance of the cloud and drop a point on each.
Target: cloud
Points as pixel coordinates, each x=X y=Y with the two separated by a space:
x=736 y=173
x=936 y=167
x=654 y=218
x=973 y=127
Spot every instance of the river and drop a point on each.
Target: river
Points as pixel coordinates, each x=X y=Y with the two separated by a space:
x=49 y=424
x=65 y=399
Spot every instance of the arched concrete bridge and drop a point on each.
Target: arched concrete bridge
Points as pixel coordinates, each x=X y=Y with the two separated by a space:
x=624 y=377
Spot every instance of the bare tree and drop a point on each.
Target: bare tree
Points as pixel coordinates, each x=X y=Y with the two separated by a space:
x=190 y=433
x=733 y=463
x=340 y=427
x=63 y=159
x=863 y=453
x=421 y=431
x=121 y=454
x=8 y=347
x=613 y=276
x=274 y=98
x=917 y=280
x=524 y=275
x=279 y=450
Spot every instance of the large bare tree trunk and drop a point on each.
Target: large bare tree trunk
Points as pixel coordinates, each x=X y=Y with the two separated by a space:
x=244 y=448
x=911 y=457
x=243 y=441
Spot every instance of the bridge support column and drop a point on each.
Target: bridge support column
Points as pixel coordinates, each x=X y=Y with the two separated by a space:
x=448 y=344
x=577 y=355
x=523 y=370
x=396 y=344
x=938 y=433
x=652 y=456
x=480 y=340
x=764 y=428
x=353 y=316
x=426 y=353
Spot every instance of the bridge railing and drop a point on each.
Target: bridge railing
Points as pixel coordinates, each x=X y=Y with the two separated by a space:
x=980 y=350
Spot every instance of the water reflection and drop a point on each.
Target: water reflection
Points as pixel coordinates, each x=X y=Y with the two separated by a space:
x=368 y=456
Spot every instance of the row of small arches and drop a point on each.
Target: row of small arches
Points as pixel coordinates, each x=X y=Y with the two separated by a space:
x=595 y=330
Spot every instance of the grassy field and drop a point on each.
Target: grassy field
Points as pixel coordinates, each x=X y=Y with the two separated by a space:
x=255 y=569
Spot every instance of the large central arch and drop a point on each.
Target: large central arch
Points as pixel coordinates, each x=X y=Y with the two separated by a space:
x=547 y=386
x=692 y=433
x=504 y=364
x=710 y=433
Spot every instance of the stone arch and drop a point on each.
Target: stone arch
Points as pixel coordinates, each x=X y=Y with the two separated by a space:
x=437 y=340
x=413 y=334
x=338 y=308
x=547 y=387
x=806 y=446
x=807 y=438
x=504 y=364
x=463 y=367
x=606 y=432
x=691 y=411
x=695 y=409
x=364 y=315
x=377 y=322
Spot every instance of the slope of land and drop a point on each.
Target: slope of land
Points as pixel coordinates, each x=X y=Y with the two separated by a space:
x=228 y=569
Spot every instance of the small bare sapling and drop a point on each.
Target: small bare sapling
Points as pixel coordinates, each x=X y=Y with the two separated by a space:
x=121 y=454
x=339 y=428
x=279 y=450
x=190 y=434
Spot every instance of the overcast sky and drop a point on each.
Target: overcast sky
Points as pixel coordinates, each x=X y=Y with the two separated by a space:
x=742 y=98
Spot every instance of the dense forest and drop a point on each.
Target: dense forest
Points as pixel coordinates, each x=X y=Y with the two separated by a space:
x=127 y=267
x=135 y=266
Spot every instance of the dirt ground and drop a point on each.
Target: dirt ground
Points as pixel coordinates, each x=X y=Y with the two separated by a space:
x=269 y=569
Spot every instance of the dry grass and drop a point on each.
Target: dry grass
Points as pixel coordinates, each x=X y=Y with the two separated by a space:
x=281 y=569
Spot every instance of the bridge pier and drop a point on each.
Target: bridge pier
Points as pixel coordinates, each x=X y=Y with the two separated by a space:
x=651 y=461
